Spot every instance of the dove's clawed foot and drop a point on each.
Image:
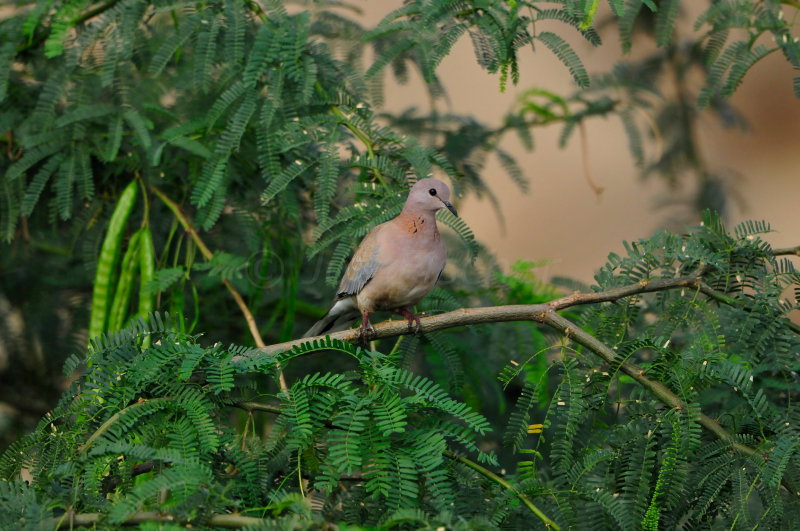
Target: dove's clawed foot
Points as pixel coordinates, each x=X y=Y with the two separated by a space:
x=366 y=327
x=412 y=318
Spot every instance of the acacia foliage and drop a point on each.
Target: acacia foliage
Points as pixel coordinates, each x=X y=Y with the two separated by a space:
x=155 y=428
x=256 y=125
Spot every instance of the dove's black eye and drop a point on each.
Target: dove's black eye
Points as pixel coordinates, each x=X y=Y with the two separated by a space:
x=432 y=191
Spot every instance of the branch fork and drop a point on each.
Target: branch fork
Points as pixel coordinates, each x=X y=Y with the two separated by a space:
x=547 y=314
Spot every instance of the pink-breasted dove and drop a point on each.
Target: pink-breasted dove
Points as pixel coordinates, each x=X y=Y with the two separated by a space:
x=396 y=265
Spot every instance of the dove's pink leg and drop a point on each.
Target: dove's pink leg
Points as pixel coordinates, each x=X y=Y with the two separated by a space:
x=365 y=324
x=411 y=318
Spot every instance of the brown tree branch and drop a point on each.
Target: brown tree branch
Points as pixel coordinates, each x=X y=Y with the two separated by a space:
x=655 y=387
x=490 y=314
x=519 y=312
x=228 y=521
x=547 y=315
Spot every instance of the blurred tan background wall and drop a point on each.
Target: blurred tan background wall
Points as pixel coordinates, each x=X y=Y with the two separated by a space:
x=561 y=218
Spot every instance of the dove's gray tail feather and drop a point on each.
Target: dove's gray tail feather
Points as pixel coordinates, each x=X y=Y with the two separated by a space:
x=342 y=315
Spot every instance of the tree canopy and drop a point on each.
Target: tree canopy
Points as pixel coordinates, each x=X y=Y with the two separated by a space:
x=183 y=183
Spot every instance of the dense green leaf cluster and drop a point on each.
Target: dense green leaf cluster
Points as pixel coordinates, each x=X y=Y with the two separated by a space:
x=179 y=428
x=148 y=421
x=611 y=455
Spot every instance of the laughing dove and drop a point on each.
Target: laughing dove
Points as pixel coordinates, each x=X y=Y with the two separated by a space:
x=395 y=266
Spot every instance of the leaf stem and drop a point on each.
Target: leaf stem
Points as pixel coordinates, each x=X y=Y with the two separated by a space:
x=364 y=140
x=506 y=485
x=258 y=406
x=114 y=418
x=208 y=255
x=787 y=251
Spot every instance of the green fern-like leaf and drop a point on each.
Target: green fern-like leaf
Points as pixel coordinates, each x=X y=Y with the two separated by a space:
x=65 y=182
x=235 y=28
x=461 y=229
x=635 y=144
x=225 y=100
x=741 y=67
x=220 y=374
x=717 y=70
x=31 y=158
x=206 y=50
x=61 y=24
x=327 y=180
x=390 y=415
x=391 y=54
x=8 y=50
x=665 y=21
x=224 y=265
x=449 y=356
x=568 y=397
x=280 y=182
x=232 y=135
x=566 y=55
x=436 y=397
x=179 y=481
x=587 y=32
x=211 y=181
x=38 y=183
x=171 y=45
x=627 y=21
x=141 y=127
x=519 y=420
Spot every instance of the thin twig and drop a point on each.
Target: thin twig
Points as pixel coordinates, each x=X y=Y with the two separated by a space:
x=506 y=485
x=787 y=251
x=114 y=418
x=736 y=303
x=258 y=406
x=587 y=170
x=206 y=252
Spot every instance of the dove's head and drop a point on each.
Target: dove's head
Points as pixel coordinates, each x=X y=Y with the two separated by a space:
x=429 y=195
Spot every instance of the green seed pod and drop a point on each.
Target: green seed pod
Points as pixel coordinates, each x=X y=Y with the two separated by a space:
x=147 y=266
x=107 y=262
x=122 y=295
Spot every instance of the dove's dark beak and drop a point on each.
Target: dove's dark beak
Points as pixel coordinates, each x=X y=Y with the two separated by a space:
x=450 y=207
